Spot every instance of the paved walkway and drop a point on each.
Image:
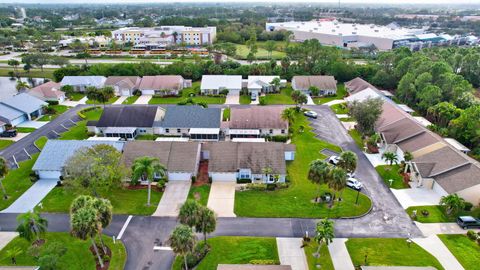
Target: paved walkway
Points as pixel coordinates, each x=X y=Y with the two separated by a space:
x=416 y=197
x=32 y=124
x=6 y=237
x=310 y=100
x=175 y=195
x=143 y=99
x=335 y=101
x=291 y=253
x=120 y=100
x=339 y=254
x=233 y=98
x=222 y=198
x=441 y=228
x=435 y=246
x=33 y=196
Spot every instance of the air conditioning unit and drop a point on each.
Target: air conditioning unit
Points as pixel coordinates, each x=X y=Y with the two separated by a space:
x=333 y=30
x=376 y=31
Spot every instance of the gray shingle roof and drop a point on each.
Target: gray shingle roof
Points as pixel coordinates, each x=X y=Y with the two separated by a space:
x=9 y=113
x=190 y=117
x=24 y=103
x=128 y=116
x=56 y=153
x=96 y=81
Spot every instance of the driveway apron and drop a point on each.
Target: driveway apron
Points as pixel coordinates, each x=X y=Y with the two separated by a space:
x=33 y=196
x=291 y=253
x=222 y=198
x=175 y=195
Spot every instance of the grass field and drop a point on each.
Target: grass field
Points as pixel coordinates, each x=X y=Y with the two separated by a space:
x=59 y=109
x=296 y=201
x=235 y=250
x=341 y=93
x=40 y=142
x=262 y=54
x=389 y=252
x=79 y=132
x=388 y=172
x=17 y=181
x=464 y=249
x=199 y=193
x=34 y=73
x=245 y=99
x=130 y=100
x=195 y=90
x=25 y=129
x=77 y=256
x=357 y=137
x=340 y=108
x=76 y=96
x=284 y=97
x=437 y=214
x=110 y=101
x=324 y=260
x=5 y=143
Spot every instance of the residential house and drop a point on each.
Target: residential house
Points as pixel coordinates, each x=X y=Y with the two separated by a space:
x=80 y=83
x=126 y=122
x=164 y=85
x=51 y=162
x=327 y=85
x=358 y=84
x=123 y=85
x=262 y=84
x=256 y=122
x=181 y=159
x=3 y=127
x=194 y=122
x=363 y=95
x=214 y=84
x=258 y=162
x=49 y=91
x=20 y=108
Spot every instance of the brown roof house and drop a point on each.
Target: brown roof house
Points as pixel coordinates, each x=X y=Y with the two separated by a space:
x=123 y=85
x=180 y=158
x=358 y=84
x=326 y=84
x=49 y=91
x=256 y=122
x=229 y=161
x=163 y=85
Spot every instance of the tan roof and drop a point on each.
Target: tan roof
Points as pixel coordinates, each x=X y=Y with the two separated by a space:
x=439 y=161
x=401 y=130
x=159 y=82
x=231 y=156
x=257 y=117
x=321 y=82
x=418 y=142
x=460 y=178
x=47 y=90
x=390 y=114
x=126 y=82
x=252 y=267
x=176 y=156
x=358 y=84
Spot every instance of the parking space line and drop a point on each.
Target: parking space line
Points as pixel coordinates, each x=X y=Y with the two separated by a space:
x=125 y=225
x=30 y=157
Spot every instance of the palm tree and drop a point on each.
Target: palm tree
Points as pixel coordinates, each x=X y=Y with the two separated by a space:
x=267 y=171
x=276 y=83
x=337 y=180
x=3 y=173
x=348 y=161
x=189 y=213
x=14 y=63
x=85 y=224
x=105 y=213
x=453 y=203
x=182 y=241
x=145 y=168
x=31 y=225
x=21 y=85
x=324 y=233
x=206 y=222
x=93 y=94
x=390 y=157
x=13 y=253
x=319 y=173
x=288 y=115
x=105 y=94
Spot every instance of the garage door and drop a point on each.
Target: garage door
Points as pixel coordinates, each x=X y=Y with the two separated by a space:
x=125 y=92
x=179 y=177
x=148 y=92
x=224 y=177
x=19 y=120
x=49 y=174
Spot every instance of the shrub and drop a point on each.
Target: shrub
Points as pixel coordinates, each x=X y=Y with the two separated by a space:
x=194 y=178
x=264 y=262
x=210 y=179
x=282 y=185
x=468 y=206
x=224 y=92
x=203 y=104
x=52 y=102
x=244 y=180
x=33 y=177
x=271 y=187
x=472 y=235
x=137 y=92
x=279 y=138
x=257 y=186
x=425 y=213
x=262 y=101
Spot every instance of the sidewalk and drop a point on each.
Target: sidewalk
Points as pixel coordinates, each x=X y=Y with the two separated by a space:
x=335 y=101
x=310 y=100
x=435 y=246
x=6 y=237
x=339 y=254
x=291 y=253
x=120 y=100
x=143 y=99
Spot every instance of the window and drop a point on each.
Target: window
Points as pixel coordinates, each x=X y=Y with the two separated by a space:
x=271 y=131
x=167 y=130
x=283 y=131
x=178 y=130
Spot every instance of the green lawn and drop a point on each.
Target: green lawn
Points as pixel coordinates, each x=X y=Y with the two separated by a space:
x=245 y=99
x=76 y=96
x=79 y=132
x=110 y=101
x=437 y=214
x=34 y=72
x=284 y=97
x=124 y=201
x=262 y=54
x=147 y=137
x=5 y=143
x=346 y=119
x=357 y=137
x=389 y=252
x=130 y=100
x=59 y=109
x=186 y=93
x=200 y=193
x=388 y=172
x=226 y=114
x=324 y=260
x=77 y=256
x=464 y=249
x=296 y=201
x=25 y=129
x=40 y=142
x=17 y=181
x=341 y=93
x=235 y=250
x=340 y=108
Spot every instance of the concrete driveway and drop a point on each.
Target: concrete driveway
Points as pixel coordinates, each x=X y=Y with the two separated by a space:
x=232 y=98
x=143 y=99
x=290 y=252
x=175 y=195
x=120 y=100
x=222 y=198
x=33 y=196
x=32 y=124
x=6 y=237
x=416 y=197
x=441 y=228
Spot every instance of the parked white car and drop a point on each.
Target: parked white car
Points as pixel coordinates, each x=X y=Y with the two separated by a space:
x=334 y=160
x=354 y=183
x=310 y=114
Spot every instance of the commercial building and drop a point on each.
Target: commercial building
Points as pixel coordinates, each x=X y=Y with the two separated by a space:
x=346 y=35
x=162 y=36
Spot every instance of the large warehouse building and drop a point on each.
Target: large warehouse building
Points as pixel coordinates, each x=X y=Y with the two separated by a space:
x=347 y=35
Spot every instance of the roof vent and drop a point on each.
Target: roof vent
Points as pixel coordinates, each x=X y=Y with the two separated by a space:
x=376 y=30
x=333 y=30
